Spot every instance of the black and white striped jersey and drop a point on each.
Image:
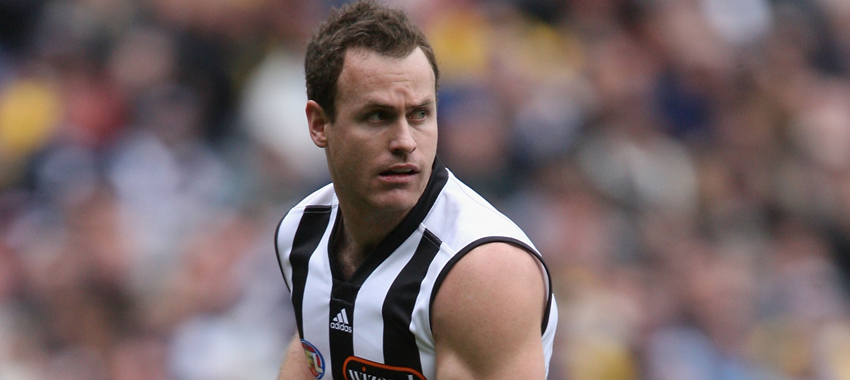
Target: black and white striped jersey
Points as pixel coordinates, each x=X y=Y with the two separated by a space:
x=376 y=325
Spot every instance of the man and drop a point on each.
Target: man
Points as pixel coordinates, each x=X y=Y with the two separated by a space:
x=397 y=270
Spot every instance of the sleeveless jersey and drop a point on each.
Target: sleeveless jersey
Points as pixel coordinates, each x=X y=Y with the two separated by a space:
x=376 y=325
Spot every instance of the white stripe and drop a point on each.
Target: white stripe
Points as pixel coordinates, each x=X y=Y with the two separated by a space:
x=420 y=320
x=317 y=292
x=368 y=333
x=344 y=315
x=548 y=338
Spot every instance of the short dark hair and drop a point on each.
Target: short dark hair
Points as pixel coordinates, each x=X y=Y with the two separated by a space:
x=365 y=24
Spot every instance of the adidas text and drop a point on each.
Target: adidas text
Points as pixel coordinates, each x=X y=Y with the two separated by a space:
x=341 y=327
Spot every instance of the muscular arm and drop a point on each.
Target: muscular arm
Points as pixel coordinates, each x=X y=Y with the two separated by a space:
x=487 y=316
x=295 y=363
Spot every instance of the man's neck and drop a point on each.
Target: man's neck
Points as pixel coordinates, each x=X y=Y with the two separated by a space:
x=361 y=232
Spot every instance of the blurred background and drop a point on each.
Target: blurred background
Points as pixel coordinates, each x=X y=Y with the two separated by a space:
x=684 y=166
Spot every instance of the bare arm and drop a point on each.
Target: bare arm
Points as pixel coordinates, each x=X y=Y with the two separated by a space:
x=487 y=316
x=295 y=363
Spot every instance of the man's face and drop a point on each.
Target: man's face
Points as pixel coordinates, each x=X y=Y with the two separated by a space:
x=383 y=142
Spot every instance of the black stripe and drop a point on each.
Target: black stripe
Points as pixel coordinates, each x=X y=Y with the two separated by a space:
x=494 y=239
x=400 y=348
x=343 y=296
x=313 y=224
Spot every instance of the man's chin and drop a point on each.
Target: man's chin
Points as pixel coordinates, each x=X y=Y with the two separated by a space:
x=396 y=201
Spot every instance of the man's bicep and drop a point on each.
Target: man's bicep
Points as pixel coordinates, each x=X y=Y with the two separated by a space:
x=487 y=316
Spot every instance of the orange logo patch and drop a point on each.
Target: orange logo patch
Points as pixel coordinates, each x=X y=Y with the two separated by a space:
x=356 y=368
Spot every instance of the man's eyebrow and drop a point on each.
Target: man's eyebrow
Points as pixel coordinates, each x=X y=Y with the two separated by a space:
x=424 y=104
x=376 y=105
x=373 y=105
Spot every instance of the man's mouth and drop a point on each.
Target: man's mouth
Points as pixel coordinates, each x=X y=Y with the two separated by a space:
x=400 y=171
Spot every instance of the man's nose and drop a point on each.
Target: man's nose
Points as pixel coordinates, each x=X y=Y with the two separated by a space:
x=402 y=140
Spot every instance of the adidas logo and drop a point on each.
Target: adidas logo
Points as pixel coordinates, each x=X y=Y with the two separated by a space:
x=340 y=322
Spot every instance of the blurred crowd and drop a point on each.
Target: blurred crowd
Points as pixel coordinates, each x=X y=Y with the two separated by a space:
x=684 y=166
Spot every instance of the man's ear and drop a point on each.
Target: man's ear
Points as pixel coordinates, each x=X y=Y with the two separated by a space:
x=317 y=120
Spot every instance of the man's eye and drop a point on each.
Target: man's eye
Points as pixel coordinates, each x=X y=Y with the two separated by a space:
x=376 y=116
x=419 y=114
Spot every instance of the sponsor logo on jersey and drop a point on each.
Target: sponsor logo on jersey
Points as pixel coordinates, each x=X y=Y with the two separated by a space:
x=356 y=368
x=340 y=322
x=315 y=361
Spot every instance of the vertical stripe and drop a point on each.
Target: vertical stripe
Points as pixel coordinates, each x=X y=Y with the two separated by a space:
x=400 y=347
x=548 y=338
x=343 y=296
x=307 y=237
x=420 y=324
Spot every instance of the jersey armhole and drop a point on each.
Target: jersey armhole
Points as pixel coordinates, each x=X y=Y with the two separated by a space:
x=495 y=239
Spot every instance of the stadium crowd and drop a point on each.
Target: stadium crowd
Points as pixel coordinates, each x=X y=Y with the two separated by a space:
x=684 y=166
